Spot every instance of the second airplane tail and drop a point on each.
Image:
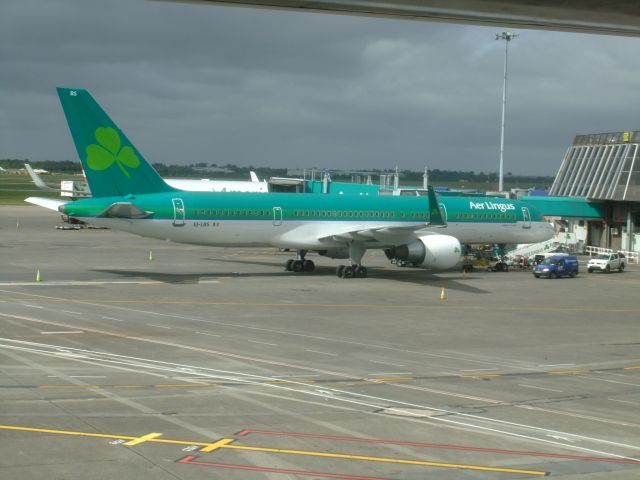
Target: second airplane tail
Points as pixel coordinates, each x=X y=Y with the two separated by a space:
x=113 y=166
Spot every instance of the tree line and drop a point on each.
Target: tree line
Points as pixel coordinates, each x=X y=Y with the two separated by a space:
x=204 y=170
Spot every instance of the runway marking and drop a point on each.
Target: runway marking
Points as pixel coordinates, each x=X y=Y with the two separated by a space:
x=111 y=318
x=69 y=311
x=387 y=363
x=158 y=326
x=217 y=445
x=224 y=443
x=62 y=332
x=389 y=379
x=249 y=431
x=322 y=353
x=102 y=301
x=208 y=334
x=370 y=401
x=263 y=343
x=144 y=438
x=190 y=460
x=624 y=401
x=567 y=372
x=540 y=388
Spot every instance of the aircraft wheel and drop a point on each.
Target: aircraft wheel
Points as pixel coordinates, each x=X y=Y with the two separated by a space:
x=297 y=266
x=289 y=265
x=348 y=272
x=308 y=266
x=361 y=272
x=340 y=271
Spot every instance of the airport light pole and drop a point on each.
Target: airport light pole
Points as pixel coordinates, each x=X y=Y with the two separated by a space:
x=507 y=37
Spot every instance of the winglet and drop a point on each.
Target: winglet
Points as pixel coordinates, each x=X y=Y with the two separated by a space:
x=436 y=215
x=37 y=180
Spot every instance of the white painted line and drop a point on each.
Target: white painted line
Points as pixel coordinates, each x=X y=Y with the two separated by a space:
x=559 y=365
x=540 y=388
x=62 y=332
x=115 y=319
x=32 y=306
x=69 y=311
x=387 y=363
x=322 y=353
x=209 y=334
x=481 y=370
x=294 y=376
x=159 y=326
x=624 y=401
x=263 y=343
x=87 y=376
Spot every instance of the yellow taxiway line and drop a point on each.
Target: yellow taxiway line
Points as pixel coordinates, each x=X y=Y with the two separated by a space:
x=226 y=443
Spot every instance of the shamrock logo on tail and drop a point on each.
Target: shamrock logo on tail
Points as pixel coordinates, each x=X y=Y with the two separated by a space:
x=108 y=152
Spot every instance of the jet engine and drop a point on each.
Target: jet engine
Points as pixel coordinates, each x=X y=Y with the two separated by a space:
x=439 y=252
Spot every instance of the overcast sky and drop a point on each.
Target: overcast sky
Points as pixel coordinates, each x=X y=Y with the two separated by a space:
x=197 y=83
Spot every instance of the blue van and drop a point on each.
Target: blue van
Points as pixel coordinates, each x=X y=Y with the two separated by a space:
x=557 y=266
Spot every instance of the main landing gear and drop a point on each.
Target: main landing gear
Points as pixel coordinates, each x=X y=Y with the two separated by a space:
x=351 y=271
x=355 y=270
x=299 y=264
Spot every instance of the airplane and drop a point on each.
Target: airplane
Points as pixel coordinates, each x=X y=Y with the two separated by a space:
x=202 y=185
x=129 y=195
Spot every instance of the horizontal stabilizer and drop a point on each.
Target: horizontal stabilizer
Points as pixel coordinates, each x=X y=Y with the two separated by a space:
x=124 y=210
x=50 y=203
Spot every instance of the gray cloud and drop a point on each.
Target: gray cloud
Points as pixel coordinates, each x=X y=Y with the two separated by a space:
x=194 y=83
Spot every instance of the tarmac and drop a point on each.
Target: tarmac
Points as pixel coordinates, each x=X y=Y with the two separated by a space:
x=133 y=357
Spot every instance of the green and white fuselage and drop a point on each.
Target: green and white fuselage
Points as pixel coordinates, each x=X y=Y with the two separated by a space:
x=311 y=221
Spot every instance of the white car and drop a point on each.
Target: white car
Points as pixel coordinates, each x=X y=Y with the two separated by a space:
x=605 y=262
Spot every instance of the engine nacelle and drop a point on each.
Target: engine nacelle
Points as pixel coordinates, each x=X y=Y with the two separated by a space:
x=439 y=252
x=335 y=253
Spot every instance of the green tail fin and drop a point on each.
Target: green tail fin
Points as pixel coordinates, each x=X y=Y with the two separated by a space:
x=111 y=163
x=435 y=210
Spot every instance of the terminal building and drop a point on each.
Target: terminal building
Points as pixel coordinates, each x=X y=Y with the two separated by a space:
x=604 y=169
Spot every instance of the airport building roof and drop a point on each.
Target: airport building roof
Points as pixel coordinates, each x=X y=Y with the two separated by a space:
x=602 y=166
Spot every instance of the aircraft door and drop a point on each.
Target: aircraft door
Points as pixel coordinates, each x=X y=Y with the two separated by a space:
x=526 y=218
x=179 y=213
x=277 y=216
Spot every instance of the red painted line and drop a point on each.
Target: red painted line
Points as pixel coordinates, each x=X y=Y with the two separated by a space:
x=190 y=460
x=439 y=445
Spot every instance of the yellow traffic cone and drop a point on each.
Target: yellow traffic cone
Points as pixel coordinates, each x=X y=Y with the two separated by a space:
x=150 y=255
x=442 y=295
x=38 y=276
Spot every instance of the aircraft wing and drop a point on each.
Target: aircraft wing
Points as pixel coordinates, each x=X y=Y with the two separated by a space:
x=381 y=233
x=50 y=203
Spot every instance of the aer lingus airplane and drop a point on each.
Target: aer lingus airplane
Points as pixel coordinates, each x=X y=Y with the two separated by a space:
x=129 y=195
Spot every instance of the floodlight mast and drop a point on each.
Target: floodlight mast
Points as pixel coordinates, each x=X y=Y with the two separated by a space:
x=507 y=37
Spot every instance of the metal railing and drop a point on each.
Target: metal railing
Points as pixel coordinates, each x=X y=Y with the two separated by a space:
x=632 y=257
